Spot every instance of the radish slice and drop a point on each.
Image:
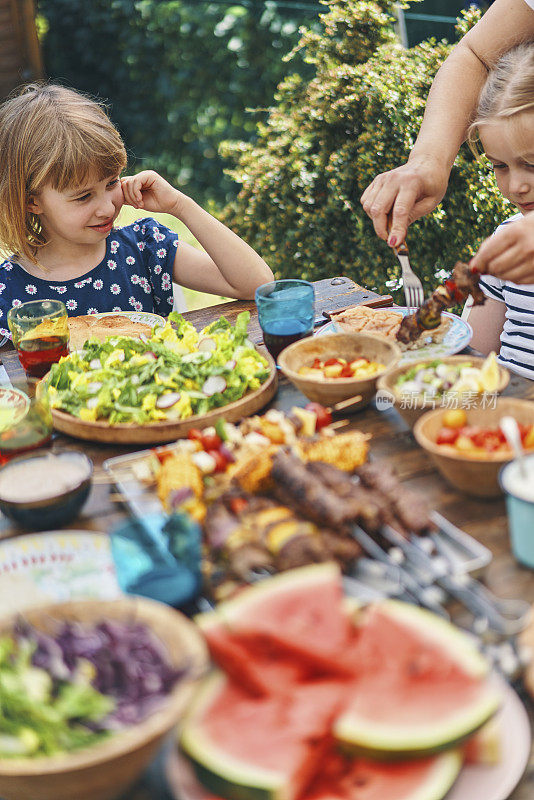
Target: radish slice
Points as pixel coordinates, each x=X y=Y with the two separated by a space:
x=152 y=356
x=143 y=338
x=95 y=363
x=92 y=402
x=232 y=364
x=167 y=400
x=214 y=385
x=206 y=345
x=94 y=386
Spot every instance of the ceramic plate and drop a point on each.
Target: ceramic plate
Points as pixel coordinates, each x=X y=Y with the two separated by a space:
x=457 y=337
x=474 y=781
x=54 y=567
x=136 y=316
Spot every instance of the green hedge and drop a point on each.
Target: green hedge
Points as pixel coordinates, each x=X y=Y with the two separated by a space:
x=179 y=76
x=325 y=140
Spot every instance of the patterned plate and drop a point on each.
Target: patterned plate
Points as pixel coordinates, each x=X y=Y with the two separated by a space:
x=456 y=339
x=54 y=567
x=145 y=317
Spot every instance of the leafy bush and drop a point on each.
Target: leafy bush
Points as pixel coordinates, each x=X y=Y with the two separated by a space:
x=179 y=76
x=326 y=139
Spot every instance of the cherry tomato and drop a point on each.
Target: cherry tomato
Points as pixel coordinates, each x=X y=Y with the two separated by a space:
x=487 y=439
x=194 y=434
x=346 y=372
x=447 y=436
x=323 y=415
x=331 y=361
x=220 y=462
x=317 y=363
x=210 y=441
x=238 y=504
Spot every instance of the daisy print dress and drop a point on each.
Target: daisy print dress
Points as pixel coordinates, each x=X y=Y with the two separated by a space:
x=135 y=275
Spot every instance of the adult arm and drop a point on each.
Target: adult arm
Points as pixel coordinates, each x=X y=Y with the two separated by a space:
x=228 y=266
x=415 y=188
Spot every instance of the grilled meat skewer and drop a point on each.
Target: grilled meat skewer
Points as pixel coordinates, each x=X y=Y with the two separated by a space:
x=462 y=283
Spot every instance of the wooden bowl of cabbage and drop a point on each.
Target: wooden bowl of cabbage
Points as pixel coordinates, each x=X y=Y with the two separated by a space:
x=477 y=473
x=349 y=346
x=107 y=769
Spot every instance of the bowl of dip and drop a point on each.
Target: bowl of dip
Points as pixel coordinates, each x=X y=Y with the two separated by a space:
x=45 y=490
x=519 y=492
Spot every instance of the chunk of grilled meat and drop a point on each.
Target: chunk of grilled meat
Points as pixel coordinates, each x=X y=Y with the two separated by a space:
x=409 y=508
x=462 y=283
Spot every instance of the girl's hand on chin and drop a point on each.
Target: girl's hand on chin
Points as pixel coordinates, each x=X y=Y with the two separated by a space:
x=151 y=192
x=509 y=254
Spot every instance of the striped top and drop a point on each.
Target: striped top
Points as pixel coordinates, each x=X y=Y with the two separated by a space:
x=517 y=337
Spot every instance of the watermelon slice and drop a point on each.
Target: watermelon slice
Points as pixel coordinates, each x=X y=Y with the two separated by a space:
x=300 y=612
x=248 y=660
x=420 y=685
x=358 y=779
x=259 y=748
x=245 y=748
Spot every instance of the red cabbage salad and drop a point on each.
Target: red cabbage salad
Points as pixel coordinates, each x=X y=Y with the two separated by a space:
x=69 y=690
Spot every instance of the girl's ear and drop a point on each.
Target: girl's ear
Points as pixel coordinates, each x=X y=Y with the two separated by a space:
x=33 y=205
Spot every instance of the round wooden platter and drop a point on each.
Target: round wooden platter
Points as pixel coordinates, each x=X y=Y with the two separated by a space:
x=166 y=431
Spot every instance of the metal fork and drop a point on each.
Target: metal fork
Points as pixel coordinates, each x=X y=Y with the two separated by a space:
x=413 y=288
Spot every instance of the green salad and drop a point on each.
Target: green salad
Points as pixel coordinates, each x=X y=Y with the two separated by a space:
x=172 y=375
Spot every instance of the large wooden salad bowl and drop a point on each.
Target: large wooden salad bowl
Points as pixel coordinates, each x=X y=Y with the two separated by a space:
x=167 y=430
x=106 y=769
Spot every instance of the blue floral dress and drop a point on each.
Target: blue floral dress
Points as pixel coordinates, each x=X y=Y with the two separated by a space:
x=135 y=275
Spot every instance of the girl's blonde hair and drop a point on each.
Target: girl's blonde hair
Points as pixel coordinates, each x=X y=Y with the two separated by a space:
x=49 y=135
x=509 y=90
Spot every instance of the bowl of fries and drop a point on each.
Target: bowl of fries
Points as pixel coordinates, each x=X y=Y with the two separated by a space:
x=334 y=368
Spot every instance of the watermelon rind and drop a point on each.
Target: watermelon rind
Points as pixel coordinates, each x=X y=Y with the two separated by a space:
x=256 y=594
x=441 y=632
x=362 y=735
x=218 y=771
x=441 y=778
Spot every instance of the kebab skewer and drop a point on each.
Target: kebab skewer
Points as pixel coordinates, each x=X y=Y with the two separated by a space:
x=463 y=282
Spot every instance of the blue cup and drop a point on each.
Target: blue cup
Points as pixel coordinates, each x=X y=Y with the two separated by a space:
x=520 y=507
x=285 y=312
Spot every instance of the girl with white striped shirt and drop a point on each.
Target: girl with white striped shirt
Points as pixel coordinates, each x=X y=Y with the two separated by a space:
x=504 y=124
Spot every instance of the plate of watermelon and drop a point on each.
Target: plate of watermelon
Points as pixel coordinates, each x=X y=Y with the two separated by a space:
x=316 y=697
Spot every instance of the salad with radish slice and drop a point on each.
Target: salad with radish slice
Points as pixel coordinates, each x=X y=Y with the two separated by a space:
x=172 y=375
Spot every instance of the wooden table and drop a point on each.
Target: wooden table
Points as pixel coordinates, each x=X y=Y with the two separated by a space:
x=391 y=441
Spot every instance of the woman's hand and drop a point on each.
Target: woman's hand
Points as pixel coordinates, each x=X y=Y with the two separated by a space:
x=411 y=191
x=509 y=254
x=151 y=192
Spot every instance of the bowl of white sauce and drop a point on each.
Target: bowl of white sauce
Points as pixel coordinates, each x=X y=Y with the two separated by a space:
x=519 y=491
x=45 y=490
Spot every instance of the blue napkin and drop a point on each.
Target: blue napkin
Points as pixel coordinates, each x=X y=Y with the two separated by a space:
x=159 y=556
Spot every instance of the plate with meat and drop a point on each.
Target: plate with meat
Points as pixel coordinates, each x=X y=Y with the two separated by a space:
x=452 y=335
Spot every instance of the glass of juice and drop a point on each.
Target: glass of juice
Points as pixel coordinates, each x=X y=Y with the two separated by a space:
x=40 y=333
x=25 y=419
x=286 y=312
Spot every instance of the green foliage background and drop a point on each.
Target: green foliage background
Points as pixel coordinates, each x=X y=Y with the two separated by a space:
x=179 y=76
x=326 y=139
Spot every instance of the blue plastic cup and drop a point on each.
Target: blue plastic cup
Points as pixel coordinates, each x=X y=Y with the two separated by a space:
x=285 y=312
x=520 y=507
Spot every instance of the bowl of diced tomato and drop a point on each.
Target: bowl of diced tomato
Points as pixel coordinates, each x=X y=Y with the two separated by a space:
x=468 y=446
x=330 y=369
